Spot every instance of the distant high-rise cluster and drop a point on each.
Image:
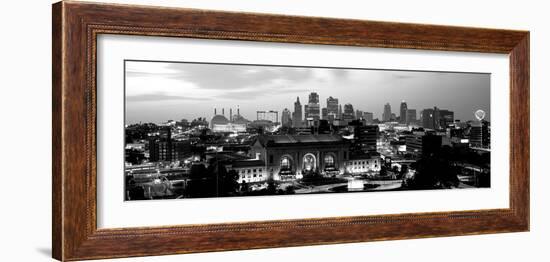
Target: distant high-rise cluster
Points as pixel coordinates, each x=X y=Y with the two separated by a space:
x=311 y=114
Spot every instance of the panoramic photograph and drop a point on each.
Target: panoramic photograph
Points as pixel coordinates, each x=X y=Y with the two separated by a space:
x=199 y=130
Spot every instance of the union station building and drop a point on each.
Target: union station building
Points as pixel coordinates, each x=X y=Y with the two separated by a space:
x=290 y=157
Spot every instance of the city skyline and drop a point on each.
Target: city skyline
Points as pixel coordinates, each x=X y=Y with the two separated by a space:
x=190 y=90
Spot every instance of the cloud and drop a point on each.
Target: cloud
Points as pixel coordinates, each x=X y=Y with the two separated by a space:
x=162 y=97
x=225 y=81
x=259 y=92
x=223 y=76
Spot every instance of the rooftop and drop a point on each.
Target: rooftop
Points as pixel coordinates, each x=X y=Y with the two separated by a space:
x=300 y=139
x=248 y=163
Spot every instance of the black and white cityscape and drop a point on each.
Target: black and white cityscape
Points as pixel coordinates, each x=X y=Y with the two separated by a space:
x=197 y=130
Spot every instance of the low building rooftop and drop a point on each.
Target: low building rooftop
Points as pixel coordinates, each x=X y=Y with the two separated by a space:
x=300 y=139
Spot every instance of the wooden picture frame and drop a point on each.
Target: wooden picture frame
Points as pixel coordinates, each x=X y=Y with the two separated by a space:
x=76 y=26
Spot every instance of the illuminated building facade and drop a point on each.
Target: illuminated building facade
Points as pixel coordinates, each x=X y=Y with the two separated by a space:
x=289 y=157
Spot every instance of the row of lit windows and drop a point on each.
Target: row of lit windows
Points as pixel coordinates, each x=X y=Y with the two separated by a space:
x=242 y=171
x=250 y=176
x=362 y=167
x=363 y=162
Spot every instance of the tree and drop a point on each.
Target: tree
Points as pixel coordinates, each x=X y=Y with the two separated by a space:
x=434 y=172
x=271 y=187
x=201 y=182
x=395 y=169
x=244 y=187
x=136 y=193
x=289 y=190
x=227 y=184
x=404 y=170
x=383 y=170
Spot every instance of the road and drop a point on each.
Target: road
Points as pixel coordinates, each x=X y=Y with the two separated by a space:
x=319 y=189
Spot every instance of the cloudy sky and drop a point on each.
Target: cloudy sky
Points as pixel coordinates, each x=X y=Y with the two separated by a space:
x=159 y=91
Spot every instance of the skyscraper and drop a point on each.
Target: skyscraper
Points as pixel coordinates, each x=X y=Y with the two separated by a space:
x=313 y=98
x=349 y=113
x=332 y=109
x=437 y=118
x=313 y=107
x=368 y=117
x=270 y=115
x=403 y=112
x=386 y=116
x=429 y=116
x=297 y=115
x=286 y=120
x=359 y=114
x=480 y=134
x=446 y=118
x=411 y=116
x=476 y=134
x=365 y=137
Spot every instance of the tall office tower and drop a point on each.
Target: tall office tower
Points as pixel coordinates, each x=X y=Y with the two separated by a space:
x=349 y=113
x=476 y=134
x=369 y=117
x=359 y=114
x=297 y=114
x=313 y=107
x=339 y=112
x=286 y=120
x=430 y=118
x=411 y=116
x=486 y=134
x=324 y=113
x=313 y=98
x=480 y=134
x=365 y=137
x=273 y=116
x=403 y=112
x=332 y=109
x=386 y=116
x=446 y=118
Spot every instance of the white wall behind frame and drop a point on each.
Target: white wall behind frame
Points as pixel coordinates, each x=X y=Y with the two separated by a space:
x=25 y=92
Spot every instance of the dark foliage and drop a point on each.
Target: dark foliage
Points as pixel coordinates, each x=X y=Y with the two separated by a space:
x=434 y=172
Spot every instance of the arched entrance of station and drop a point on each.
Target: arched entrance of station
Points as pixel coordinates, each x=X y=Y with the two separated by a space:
x=329 y=165
x=309 y=164
x=287 y=168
